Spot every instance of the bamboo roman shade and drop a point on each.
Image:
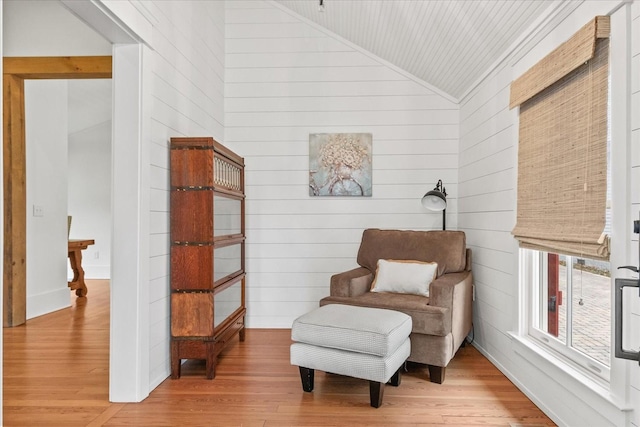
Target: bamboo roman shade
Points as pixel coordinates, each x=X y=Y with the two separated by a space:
x=562 y=153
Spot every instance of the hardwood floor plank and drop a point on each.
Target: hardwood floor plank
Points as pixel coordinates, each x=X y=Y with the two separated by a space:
x=56 y=373
x=104 y=417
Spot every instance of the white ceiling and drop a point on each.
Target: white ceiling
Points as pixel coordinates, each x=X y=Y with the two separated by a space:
x=449 y=44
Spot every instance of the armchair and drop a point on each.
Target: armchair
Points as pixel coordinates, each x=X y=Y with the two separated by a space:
x=442 y=320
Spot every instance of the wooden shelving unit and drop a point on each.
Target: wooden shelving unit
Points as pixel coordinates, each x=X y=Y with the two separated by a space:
x=207 y=250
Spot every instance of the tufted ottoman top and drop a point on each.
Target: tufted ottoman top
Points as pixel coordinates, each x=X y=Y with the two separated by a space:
x=366 y=330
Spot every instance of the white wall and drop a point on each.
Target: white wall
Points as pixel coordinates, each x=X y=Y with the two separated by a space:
x=46 y=165
x=89 y=196
x=287 y=78
x=487 y=213
x=186 y=69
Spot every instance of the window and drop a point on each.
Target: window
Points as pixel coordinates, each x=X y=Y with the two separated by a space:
x=563 y=218
x=570 y=309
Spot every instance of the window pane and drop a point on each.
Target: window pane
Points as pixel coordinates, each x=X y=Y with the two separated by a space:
x=591 y=308
x=553 y=290
x=561 y=296
x=574 y=305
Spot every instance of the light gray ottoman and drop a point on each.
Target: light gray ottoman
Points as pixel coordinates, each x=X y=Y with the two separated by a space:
x=360 y=342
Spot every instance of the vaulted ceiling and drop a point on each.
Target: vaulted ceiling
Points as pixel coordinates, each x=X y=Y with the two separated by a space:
x=449 y=44
x=446 y=43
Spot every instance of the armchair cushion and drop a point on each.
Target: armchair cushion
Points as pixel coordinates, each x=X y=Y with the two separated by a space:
x=426 y=319
x=404 y=276
x=446 y=248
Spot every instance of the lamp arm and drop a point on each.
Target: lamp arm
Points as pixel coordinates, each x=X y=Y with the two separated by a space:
x=444 y=218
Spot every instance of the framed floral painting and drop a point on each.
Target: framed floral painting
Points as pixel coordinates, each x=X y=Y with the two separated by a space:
x=340 y=164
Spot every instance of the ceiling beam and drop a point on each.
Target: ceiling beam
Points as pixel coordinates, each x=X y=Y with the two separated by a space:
x=60 y=67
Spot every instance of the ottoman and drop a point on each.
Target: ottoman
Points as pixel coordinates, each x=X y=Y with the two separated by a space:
x=360 y=342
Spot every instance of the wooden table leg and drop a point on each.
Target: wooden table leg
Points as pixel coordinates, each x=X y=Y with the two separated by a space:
x=75 y=259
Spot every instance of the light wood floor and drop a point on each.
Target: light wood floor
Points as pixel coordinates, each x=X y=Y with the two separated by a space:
x=56 y=374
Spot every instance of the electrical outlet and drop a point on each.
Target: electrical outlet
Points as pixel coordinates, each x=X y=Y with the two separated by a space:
x=38 y=210
x=96 y=255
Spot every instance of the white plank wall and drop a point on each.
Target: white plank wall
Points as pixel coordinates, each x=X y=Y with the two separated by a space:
x=187 y=73
x=487 y=192
x=635 y=176
x=286 y=78
x=487 y=199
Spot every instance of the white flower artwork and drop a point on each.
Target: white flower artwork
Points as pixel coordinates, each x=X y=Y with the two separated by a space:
x=340 y=164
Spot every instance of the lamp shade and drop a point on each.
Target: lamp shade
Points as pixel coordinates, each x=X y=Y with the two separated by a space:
x=434 y=200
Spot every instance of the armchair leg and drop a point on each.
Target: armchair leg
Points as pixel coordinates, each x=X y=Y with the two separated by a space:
x=436 y=374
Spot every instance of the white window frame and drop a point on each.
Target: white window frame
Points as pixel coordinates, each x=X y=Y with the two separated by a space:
x=534 y=264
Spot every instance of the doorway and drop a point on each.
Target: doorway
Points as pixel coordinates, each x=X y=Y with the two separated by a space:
x=16 y=71
x=128 y=353
x=129 y=347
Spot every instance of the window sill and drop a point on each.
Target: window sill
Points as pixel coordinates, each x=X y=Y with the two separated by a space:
x=564 y=373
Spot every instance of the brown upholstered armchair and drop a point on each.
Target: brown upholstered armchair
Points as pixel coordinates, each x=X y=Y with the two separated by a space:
x=442 y=320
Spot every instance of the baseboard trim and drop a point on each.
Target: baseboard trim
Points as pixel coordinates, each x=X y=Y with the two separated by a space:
x=98 y=272
x=48 y=302
x=544 y=408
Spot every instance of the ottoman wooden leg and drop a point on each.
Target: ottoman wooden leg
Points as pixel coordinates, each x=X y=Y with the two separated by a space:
x=376 y=391
x=306 y=375
x=396 y=378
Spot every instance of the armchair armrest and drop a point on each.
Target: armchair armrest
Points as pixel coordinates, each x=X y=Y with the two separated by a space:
x=454 y=291
x=351 y=283
x=442 y=290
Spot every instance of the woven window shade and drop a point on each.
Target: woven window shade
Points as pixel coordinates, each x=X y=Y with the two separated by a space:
x=562 y=162
x=567 y=57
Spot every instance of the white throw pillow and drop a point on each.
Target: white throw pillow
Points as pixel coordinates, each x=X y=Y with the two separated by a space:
x=405 y=277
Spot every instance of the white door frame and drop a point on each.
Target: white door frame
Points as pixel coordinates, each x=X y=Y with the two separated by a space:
x=129 y=323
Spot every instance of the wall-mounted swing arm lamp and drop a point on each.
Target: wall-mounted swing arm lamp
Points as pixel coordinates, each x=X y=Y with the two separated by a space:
x=436 y=200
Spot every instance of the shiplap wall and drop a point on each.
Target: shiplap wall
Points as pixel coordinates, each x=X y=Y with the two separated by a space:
x=187 y=71
x=487 y=213
x=635 y=178
x=487 y=199
x=286 y=78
